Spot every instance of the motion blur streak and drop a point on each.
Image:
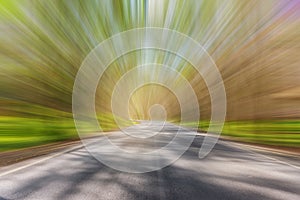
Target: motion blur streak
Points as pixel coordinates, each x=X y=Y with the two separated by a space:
x=254 y=43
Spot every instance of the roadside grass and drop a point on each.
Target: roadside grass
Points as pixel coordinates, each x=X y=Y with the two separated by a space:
x=22 y=132
x=272 y=132
x=17 y=132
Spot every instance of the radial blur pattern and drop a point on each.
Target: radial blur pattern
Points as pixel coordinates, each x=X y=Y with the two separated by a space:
x=255 y=45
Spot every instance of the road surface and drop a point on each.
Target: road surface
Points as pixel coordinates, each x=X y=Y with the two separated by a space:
x=230 y=171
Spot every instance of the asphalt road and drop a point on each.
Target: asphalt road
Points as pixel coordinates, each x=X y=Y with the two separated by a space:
x=230 y=171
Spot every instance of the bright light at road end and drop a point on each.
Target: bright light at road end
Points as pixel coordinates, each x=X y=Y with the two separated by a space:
x=157 y=113
x=171 y=42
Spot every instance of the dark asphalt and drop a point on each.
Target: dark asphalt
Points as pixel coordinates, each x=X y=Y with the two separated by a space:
x=230 y=171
